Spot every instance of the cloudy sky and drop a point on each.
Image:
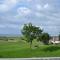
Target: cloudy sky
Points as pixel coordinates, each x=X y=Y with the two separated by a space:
x=43 y=13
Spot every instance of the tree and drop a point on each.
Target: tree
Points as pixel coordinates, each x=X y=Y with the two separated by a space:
x=45 y=38
x=31 y=32
x=59 y=37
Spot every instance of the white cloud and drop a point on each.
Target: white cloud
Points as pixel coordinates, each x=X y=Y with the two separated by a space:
x=11 y=2
x=8 y=26
x=12 y=26
x=46 y=5
x=25 y=0
x=41 y=12
x=29 y=0
x=38 y=14
x=2 y=26
x=23 y=11
x=42 y=7
x=38 y=7
x=3 y=7
x=7 y=5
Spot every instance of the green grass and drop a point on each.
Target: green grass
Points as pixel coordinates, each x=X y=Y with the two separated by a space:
x=21 y=49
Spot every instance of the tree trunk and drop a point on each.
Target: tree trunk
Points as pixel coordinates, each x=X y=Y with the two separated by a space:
x=30 y=44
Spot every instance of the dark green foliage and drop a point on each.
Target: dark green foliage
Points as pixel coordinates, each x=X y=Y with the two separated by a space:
x=59 y=36
x=44 y=37
x=3 y=38
x=31 y=32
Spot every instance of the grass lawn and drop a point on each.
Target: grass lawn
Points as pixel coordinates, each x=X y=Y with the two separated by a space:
x=21 y=50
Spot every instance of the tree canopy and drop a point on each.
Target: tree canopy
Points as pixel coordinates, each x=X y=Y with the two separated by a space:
x=32 y=32
x=59 y=36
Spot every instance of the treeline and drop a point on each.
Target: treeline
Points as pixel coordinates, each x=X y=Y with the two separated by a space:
x=3 y=38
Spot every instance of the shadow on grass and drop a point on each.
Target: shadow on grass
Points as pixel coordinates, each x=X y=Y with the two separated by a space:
x=51 y=48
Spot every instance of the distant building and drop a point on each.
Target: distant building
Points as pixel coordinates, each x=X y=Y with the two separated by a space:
x=54 y=39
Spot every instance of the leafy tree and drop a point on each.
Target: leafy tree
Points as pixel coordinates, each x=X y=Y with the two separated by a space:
x=59 y=37
x=44 y=37
x=31 y=32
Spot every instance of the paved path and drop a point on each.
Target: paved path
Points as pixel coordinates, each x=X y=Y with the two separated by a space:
x=43 y=58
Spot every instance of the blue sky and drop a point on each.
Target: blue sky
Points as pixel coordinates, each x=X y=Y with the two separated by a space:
x=15 y=13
